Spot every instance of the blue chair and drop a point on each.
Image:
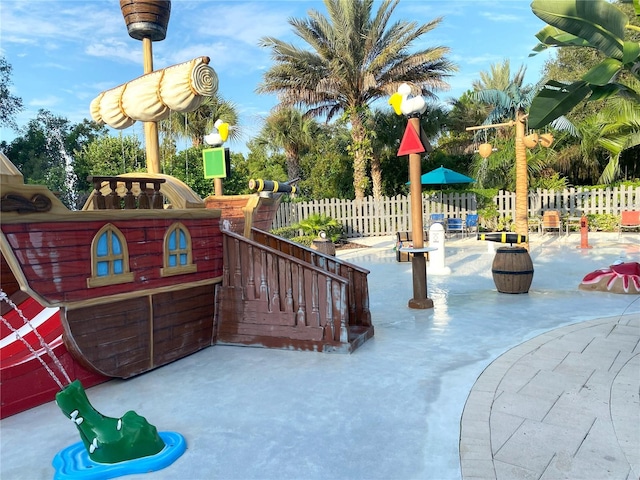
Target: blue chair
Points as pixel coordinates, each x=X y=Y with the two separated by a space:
x=455 y=225
x=471 y=223
x=437 y=218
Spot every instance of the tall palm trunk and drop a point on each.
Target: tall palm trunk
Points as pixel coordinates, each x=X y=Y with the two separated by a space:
x=293 y=164
x=522 y=224
x=359 y=152
x=376 y=176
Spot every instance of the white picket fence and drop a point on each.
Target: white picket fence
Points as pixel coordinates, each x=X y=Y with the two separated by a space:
x=388 y=215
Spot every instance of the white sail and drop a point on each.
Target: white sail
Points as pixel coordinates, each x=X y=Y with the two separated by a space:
x=151 y=97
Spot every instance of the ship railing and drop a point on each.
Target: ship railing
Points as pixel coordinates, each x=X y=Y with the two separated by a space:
x=292 y=296
x=136 y=193
x=358 y=290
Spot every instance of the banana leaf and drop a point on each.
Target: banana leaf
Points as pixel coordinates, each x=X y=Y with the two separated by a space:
x=596 y=21
x=552 y=37
x=555 y=99
x=612 y=88
x=631 y=52
x=603 y=73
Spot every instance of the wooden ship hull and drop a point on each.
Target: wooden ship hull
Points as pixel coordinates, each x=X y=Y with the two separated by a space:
x=121 y=329
x=145 y=301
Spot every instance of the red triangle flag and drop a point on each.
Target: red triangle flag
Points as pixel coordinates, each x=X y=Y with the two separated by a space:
x=410 y=142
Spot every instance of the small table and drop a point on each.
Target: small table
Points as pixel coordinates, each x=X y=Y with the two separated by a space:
x=419 y=251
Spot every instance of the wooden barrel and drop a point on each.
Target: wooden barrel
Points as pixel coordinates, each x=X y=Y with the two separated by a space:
x=512 y=270
x=146 y=18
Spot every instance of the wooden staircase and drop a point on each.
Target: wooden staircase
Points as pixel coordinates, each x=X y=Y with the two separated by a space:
x=278 y=294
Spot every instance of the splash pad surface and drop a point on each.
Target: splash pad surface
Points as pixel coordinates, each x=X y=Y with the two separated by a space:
x=390 y=410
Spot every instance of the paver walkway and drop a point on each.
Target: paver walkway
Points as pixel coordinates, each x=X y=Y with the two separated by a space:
x=562 y=405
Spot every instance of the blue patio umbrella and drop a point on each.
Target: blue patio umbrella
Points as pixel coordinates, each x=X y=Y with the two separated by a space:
x=444 y=176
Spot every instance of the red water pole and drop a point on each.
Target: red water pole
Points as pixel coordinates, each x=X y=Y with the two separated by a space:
x=584 y=232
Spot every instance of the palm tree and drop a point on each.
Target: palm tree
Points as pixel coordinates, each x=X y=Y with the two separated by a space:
x=511 y=104
x=289 y=130
x=619 y=133
x=386 y=131
x=499 y=77
x=607 y=133
x=195 y=125
x=463 y=112
x=355 y=59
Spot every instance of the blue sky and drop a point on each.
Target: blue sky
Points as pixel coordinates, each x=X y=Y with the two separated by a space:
x=64 y=53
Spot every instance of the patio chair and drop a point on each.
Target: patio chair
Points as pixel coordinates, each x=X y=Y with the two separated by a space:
x=551 y=221
x=471 y=223
x=437 y=218
x=455 y=225
x=629 y=220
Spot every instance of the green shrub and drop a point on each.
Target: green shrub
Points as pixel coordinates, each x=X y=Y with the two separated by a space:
x=505 y=224
x=316 y=223
x=311 y=226
x=603 y=222
x=550 y=181
x=288 y=232
x=307 y=241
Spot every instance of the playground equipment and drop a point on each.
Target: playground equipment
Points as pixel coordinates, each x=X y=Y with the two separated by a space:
x=413 y=145
x=512 y=268
x=620 y=278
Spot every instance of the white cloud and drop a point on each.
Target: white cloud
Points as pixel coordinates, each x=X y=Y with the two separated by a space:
x=114 y=49
x=246 y=22
x=58 y=66
x=44 y=102
x=484 y=59
x=8 y=38
x=502 y=17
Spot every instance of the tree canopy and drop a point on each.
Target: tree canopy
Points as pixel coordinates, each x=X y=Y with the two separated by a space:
x=10 y=105
x=354 y=57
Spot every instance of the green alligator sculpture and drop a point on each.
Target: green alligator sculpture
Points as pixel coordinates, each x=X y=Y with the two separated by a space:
x=107 y=439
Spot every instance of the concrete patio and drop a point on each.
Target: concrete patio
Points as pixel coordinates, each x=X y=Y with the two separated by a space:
x=484 y=385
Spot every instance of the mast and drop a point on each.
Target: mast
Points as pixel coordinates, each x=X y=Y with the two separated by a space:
x=147 y=21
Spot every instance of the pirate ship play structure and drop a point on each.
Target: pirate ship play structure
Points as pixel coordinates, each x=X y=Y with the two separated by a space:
x=140 y=287
x=148 y=272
